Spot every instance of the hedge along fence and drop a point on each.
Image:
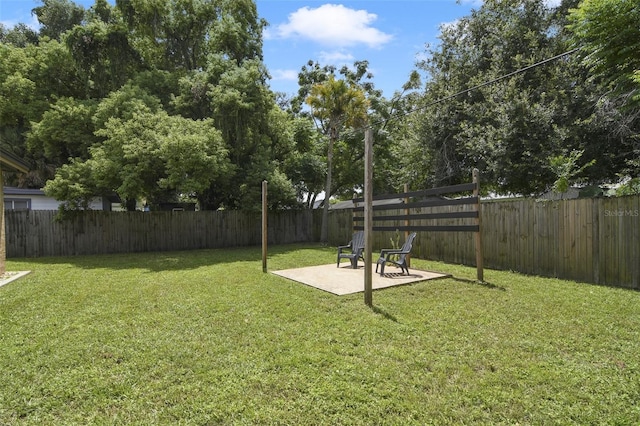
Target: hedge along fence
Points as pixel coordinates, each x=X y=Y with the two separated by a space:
x=38 y=233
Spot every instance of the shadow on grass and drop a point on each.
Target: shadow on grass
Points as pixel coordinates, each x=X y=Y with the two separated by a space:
x=175 y=260
x=385 y=314
x=480 y=283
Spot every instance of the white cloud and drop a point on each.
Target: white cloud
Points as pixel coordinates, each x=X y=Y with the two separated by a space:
x=334 y=25
x=336 y=58
x=448 y=25
x=32 y=23
x=288 y=75
x=473 y=3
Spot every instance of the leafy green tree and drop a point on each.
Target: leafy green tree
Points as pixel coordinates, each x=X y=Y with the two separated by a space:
x=55 y=72
x=74 y=186
x=238 y=100
x=19 y=36
x=103 y=55
x=161 y=84
x=306 y=165
x=240 y=104
x=65 y=131
x=62 y=91
x=57 y=17
x=180 y=34
x=151 y=156
x=348 y=151
x=194 y=153
x=31 y=77
x=565 y=169
x=512 y=127
x=395 y=154
x=23 y=99
x=19 y=103
x=124 y=104
x=608 y=33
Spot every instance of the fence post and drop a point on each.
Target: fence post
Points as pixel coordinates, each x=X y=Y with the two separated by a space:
x=407 y=212
x=264 y=226
x=353 y=212
x=478 y=235
x=368 y=216
x=3 y=245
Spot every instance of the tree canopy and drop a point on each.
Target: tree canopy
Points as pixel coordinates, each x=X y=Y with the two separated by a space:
x=516 y=125
x=169 y=100
x=608 y=32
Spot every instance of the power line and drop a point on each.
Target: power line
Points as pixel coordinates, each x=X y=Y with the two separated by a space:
x=486 y=83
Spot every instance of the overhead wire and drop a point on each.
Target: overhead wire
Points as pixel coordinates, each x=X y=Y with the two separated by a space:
x=476 y=87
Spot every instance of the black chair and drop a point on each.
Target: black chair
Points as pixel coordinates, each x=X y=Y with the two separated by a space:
x=355 y=249
x=396 y=256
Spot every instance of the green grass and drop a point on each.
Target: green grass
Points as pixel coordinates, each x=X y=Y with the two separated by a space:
x=204 y=337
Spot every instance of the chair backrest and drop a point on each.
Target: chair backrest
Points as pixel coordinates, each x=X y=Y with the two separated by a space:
x=357 y=242
x=406 y=247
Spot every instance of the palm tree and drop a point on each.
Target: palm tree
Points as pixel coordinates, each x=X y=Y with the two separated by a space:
x=335 y=105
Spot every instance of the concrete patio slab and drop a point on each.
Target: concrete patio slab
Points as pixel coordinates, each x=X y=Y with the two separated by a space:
x=344 y=280
x=10 y=276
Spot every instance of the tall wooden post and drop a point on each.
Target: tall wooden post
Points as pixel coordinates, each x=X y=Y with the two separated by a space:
x=478 y=235
x=354 y=214
x=368 y=216
x=407 y=223
x=3 y=247
x=264 y=226
x=13 y=164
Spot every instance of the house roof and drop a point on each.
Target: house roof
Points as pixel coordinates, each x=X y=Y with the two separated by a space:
x=12 y=163
x=9 y=190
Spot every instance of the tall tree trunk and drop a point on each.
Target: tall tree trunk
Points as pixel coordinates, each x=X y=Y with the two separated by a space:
x=324 y=230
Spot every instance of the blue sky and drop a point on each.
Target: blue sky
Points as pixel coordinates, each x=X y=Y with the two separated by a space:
x=390 y=34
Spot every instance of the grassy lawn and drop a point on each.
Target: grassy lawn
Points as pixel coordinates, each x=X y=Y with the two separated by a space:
x=204 y=337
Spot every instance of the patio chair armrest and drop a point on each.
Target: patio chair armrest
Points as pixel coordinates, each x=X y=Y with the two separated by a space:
x=387 y=252
x=340 y=248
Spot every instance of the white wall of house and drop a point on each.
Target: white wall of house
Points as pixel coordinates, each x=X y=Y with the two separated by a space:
x=35 y=199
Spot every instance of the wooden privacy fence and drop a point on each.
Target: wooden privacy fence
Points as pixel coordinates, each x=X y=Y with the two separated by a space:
x=591 y=240
x=38 y=234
